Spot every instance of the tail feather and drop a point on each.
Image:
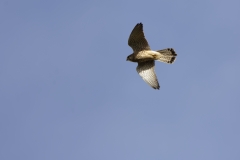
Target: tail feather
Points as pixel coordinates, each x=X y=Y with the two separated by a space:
x=167 y=55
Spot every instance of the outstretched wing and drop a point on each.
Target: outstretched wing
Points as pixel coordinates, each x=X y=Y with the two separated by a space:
x=146 y=71
x=137 y=39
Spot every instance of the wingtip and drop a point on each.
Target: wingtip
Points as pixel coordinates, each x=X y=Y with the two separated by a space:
x=157 y=88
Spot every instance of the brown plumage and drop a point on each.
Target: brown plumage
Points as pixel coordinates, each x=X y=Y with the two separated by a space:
x=146 y=57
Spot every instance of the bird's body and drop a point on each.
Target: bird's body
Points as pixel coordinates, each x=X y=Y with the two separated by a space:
x=145 y=57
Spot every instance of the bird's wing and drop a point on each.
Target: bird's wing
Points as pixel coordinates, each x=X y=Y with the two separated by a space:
x=137 y=39
x=146 y=71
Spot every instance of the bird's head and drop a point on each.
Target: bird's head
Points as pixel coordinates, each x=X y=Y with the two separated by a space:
x=130 y=57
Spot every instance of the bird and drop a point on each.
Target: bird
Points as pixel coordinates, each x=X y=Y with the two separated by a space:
x=145 y=57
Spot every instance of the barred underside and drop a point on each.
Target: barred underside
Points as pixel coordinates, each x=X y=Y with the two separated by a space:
x=146 y=71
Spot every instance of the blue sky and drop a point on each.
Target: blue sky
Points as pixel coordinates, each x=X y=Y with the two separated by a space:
x=67 y=91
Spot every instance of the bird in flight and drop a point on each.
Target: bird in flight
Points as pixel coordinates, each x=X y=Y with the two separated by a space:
x=145 y=57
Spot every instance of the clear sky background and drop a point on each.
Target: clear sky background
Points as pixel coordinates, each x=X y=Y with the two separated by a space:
x=67 y=91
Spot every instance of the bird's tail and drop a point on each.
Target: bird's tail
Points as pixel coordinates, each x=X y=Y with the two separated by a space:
x=167 y=55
